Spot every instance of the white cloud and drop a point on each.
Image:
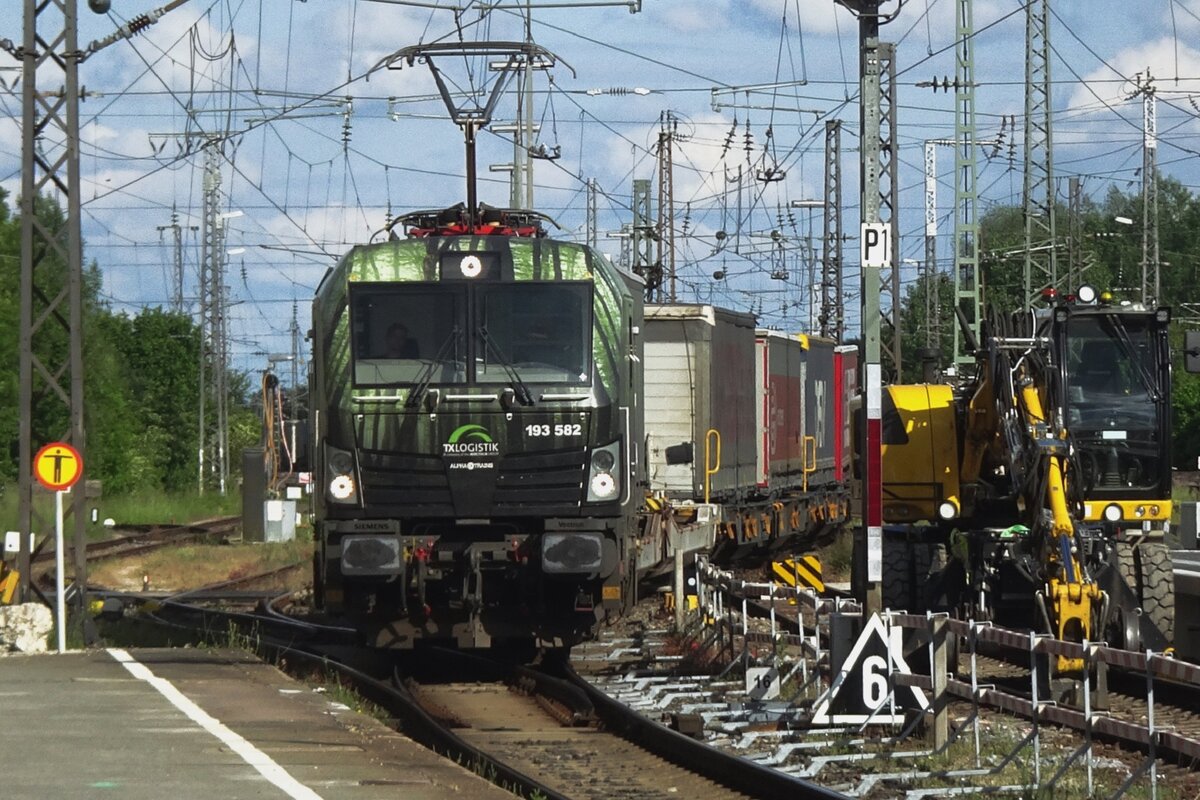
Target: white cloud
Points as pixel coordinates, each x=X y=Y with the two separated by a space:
x=691 y=18
x=1162 y=58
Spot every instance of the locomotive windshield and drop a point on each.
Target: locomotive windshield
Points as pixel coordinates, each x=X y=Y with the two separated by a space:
x=541 y=330
x=1113 y=400
x=399 y=330
x=459 y=333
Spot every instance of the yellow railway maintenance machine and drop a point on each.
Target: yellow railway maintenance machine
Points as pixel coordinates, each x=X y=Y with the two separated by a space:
x=1036 y=492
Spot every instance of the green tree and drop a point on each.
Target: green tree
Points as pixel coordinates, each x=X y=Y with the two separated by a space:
x=141 y=376
x=161 y=353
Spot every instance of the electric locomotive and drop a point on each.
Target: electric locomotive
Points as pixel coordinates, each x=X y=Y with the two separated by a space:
x=475 y=407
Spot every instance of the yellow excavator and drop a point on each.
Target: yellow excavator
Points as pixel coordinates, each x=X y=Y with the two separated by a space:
x=1036 y=491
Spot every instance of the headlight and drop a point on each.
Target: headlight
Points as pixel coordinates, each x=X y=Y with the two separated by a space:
x=341 y=462
x=1086 y=294
x=342 y=487
x=1112 y=512
x=604 y=482
x=603 y=486
x=947 y=510
x=604 y=460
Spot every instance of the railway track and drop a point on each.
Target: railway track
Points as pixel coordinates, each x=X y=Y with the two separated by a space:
x=1176 y=708
x=1161 y=736
x=144 y=538
x=561 y=747
x=555 y=735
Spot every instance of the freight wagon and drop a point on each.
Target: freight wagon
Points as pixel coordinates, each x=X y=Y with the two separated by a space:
x=750 y=419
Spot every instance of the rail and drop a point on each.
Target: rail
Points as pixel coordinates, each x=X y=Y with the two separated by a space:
x=722 y=594
x=742 y=775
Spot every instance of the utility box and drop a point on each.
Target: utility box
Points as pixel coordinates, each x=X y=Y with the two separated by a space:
x=1189 y=525
x=1185 y=565
x=254 y=494
x=279 y=520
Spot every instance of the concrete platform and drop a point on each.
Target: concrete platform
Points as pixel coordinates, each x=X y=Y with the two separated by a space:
x=198 y=725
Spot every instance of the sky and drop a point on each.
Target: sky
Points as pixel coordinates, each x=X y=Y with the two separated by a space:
x=317 y=149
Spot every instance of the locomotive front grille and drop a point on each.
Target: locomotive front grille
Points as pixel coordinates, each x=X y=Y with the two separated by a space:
x=524 y=482
x=399 y=479
x=540 y=481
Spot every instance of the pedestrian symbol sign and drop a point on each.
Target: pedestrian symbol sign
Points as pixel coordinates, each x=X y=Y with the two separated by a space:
x=57 y=466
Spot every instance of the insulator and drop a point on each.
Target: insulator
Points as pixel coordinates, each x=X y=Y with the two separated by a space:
x=139 y=24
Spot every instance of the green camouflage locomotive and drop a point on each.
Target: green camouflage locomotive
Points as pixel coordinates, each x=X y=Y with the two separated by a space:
x=475 y=408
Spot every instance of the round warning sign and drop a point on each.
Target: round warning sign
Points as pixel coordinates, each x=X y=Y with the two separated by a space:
x=57 y=466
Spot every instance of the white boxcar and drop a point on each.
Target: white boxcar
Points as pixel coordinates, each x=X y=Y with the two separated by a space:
x=700 y=390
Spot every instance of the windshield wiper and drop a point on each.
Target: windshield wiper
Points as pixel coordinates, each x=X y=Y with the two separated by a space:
x=522 y=393
x=1131 y=353
x=426 y=375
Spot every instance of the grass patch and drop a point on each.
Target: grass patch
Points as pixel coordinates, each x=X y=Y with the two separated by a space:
x=1000 y=736
x=338 y=692
x=132 y=509
x=176 y=509
x=838 y=556
x=178 y=568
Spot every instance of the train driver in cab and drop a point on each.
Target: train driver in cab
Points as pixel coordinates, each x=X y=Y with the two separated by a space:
x=398 y=342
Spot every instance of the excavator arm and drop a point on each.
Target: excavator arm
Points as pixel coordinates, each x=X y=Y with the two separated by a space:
x=1072 y=593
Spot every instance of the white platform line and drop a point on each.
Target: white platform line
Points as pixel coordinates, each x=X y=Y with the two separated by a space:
x=263 y=763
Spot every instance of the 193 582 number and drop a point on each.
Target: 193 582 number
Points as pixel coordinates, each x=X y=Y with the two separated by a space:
x=561 y=429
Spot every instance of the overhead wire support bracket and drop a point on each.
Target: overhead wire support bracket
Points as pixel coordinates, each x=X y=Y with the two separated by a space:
x=130 y=29
x=717 y=92
x=634 y=6
x=861 y=8
x=16 y=51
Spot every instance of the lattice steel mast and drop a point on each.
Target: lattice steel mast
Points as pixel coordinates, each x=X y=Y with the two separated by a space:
x=966 y=194
x=1041 y=260
x=930 y=267
x=833 y=315
x=51 y=284
x=642 y=240
x=889 y=200
x=177 y=257
x=213 y=448
x=1150 y=251
x=666 y=207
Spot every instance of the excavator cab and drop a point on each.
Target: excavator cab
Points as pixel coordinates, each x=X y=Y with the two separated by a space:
x=1117 y=378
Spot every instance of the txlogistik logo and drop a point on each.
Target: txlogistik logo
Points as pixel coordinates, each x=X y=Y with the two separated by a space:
x=470 y=440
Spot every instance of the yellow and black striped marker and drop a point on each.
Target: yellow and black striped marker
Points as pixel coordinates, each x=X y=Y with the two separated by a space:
x=804 y=571
x=9 y=578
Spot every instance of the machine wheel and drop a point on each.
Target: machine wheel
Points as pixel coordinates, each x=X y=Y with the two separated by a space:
x=912 y=574
x=896 y=586
x=1147 y=570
